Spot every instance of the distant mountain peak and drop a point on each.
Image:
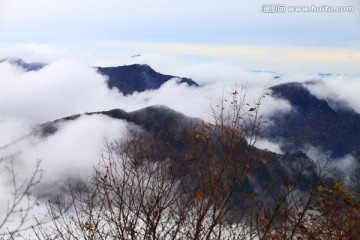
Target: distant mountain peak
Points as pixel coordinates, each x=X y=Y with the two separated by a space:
x=151 y=118
x=127 y=79
x=296 y=93
x=137 y=78
x=34 y=66
x=315 y=122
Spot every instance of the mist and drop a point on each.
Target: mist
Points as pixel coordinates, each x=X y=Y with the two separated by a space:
x=68 y=86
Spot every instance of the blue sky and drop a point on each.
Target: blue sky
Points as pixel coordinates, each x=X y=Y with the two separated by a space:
x=235 y=30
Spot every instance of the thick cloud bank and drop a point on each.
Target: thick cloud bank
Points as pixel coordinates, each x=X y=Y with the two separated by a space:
x=70 y=153
x=68 y=87
x=59 y=89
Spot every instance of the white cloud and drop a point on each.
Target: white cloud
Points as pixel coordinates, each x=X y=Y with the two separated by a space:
x=35 y=52
x=59 y=89
x=67 y=87
x=75 y=147
x=338 y=168
x=339 y=88
x=346 y=165
x=265 y=144
x=70 y=153
x=70 y=87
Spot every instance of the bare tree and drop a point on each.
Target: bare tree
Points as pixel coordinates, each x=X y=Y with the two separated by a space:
x=222 y=154
x=142 y=190
x=318 y=212
x=18 y=209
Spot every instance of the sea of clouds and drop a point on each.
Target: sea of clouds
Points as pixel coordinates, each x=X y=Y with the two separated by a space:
x=68 y=86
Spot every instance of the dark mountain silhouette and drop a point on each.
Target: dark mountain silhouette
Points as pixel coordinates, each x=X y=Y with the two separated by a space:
x=127 y=79
x=137 y=77
x=163 y=122
x=313 y=121
x=169 y=129
x=154 y=118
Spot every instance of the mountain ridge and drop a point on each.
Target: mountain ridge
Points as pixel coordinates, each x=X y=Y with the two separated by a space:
x=169 y=129
x=127 y=78
x=138 y=78
x=313 y=121
x=33 y=66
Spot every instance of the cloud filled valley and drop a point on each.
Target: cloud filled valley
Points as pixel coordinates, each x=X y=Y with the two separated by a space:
x=157 y=120
x=64 y=88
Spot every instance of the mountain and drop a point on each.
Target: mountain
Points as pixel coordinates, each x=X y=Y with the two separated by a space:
x=313 y=121
x=162 y=122
x=155 y=119
x=170 y=130
x=127 y=79
x=137 y=77
x=35 y=66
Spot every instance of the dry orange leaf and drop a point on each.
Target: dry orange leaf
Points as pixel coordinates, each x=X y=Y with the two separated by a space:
x=198 y=196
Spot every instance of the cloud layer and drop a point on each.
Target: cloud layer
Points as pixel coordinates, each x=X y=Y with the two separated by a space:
x=66 y=87
x=59 y=89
